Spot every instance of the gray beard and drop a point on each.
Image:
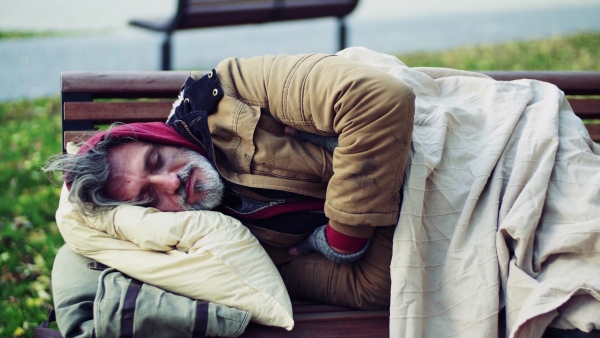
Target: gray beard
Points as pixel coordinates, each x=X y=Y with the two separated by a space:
x=212 y=187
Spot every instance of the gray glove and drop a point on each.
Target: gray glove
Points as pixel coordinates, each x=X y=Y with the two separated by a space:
x=317 y=241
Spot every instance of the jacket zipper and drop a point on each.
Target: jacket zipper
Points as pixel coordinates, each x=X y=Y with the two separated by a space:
x=260 y=239
x=193 y=136
x=231 y=190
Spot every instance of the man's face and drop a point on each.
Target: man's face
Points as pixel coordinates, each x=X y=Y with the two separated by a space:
x=170 y=178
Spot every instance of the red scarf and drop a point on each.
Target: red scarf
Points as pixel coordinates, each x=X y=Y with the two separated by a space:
x=153 y=132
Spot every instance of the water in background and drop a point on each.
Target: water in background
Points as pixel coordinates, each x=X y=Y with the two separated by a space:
x=31 y=67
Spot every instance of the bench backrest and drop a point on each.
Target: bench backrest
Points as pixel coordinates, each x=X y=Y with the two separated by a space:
x=582 y=89
x=85 y=94
x=213 y=13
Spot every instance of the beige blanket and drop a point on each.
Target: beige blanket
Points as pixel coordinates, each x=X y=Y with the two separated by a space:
x=500 y=213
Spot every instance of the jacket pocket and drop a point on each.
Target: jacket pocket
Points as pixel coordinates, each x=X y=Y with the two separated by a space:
x=276 y=243
x=280 y=155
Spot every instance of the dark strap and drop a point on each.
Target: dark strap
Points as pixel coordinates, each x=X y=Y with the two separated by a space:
x=201 y=319
x=127 y=315
x=97 y=266
x=43 y=331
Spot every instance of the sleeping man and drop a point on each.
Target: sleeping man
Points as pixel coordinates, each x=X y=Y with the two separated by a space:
x=310 y=153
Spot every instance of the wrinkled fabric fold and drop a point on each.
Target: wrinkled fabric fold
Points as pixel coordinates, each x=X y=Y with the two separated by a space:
x=500 y=210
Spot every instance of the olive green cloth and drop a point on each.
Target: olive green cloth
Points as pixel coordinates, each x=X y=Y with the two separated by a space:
x=88 y=299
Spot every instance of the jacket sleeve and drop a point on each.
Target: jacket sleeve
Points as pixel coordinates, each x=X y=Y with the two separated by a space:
x=371 y=111
x=73 y=290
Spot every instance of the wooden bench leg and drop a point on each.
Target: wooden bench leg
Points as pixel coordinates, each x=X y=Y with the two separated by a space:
x=342 y=33
x=166 y=52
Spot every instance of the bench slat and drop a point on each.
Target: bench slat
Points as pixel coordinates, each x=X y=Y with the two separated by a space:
x=76 y=136
x=356 y=324
x=202 y=14
x=340 y=316
x=109 y=112
x=147 y=84
x=154 y=84
x=572 y=83
x=359 y=326
x=155 y=111
x=357 y=329
x=594 y=130
x=586 y=108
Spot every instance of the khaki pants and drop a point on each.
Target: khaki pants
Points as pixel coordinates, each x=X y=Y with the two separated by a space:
x=364 y=284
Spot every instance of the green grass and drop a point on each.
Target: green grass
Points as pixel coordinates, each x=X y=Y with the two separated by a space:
x=578 y=52
x=15 y=35
x=30 y=133
x=25 y=35
x=28 y=234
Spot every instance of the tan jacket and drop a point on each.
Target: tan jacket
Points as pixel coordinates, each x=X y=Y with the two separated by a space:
x=161 y=248
x=371 y=111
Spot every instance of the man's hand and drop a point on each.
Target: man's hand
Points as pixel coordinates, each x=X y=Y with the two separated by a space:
x=329 y=143
x=317 y=241
x=290 y=131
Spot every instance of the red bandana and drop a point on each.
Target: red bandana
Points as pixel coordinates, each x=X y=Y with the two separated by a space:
x=154 y=132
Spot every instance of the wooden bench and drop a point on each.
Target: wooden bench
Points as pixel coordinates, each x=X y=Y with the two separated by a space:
x=85 y=107
x=581 y=87
x=192 y=14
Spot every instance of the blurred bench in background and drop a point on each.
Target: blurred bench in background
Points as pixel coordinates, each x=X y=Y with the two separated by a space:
x=192 y=14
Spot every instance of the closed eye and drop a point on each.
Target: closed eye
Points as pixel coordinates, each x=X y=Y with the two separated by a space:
x=159 y=162
x=153 y=163
x=156 y=161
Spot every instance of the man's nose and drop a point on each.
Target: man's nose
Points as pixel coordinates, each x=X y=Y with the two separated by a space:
x=167 y=182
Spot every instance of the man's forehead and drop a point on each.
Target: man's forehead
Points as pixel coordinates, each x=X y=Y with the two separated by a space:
x=128 y=155
x=137 y=145
x=134 y=155
x=127 y=149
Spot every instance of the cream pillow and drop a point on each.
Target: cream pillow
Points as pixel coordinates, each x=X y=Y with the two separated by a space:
x=199 y=254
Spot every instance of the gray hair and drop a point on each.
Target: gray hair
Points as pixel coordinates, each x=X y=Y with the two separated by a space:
x=87 y=175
